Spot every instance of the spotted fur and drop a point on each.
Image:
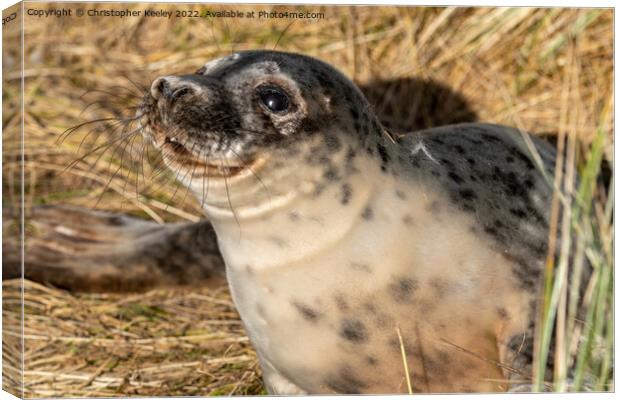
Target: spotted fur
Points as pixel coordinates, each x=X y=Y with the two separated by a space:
x=362 y=245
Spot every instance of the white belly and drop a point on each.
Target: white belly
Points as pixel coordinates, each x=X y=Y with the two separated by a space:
x=329 y=322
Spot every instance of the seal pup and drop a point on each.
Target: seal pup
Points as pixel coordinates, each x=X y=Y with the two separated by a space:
x=359 y=261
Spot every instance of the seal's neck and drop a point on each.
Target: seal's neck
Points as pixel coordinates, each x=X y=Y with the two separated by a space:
x=299 y=214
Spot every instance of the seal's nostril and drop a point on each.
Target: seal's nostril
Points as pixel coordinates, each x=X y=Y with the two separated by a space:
x=180 y=92
x=170 y=88
x=159 y=87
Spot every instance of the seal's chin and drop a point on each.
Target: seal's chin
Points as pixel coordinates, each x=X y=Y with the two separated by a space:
x=180 y=157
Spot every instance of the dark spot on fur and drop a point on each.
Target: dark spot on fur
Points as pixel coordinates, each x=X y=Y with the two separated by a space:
x=278 y=241
x=306 y=126
x=510 y=159
x=307 y=312
x=490 y=138
x=385 y=158
x=527 y=275
x=341 y=303
x=371 y=308
x=492 y=231
x=439 y=285
x=324 y=79
x=502 y=313
x=456 y=178
x=375 y=127
x=443 y=357
x=367 y=214
x=366 y=129
x=471 y=162
x=353 y=330
x=319 y=188
x=394 y=344
x=539 y=249
x=468 y=207
x=349 y=161
x=536 y=215
x=354 y=113
x=475 y=140
x=459 y=149
x=331 y=174
x=407 y=219
x=361 y=267
x=525 y=159
x=400 y=195
x=333 y=143
x=401 y=289
x=528 y=183
x=414 y=161
x=346 y=193
x=415 y=386
x=467 y=194
x=434 y=207
x=116 y=220
x=260 y=311
x=426 y=305
x=449 y=164
x=345 y=382
x=371 y=360
x=433 y=367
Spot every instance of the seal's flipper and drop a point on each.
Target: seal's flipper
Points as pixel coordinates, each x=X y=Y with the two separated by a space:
x=88 y=250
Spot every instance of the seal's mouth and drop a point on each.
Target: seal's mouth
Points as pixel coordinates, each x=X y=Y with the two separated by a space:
x=181 y=157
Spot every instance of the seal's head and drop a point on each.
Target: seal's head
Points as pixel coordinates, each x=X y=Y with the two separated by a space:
x=253 y=111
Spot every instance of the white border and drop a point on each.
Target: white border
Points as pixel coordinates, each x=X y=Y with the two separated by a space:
x=483 y=3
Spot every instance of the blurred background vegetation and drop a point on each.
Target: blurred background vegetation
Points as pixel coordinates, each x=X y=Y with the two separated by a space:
x=547 y=71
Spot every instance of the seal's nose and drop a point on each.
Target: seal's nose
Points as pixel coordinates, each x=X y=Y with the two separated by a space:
x=170 y=87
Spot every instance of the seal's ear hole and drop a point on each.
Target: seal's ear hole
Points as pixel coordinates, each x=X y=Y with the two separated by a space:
x=273 y=98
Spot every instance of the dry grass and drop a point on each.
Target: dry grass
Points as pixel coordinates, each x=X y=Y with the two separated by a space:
x=543 y=70
x=173 y=342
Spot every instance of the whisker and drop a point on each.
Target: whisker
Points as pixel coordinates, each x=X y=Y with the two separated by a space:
x=282 y=34
x=108 y=93
x=191 y=179
x=106 y=187
x=130 y=169
x=63 y=136
x=204 y=193
x=232 y=209
x=114 y=145
x=217 y=44
x=141 y=88
x=253 y=173
x=177 y=177
x=101 y=104
x=82 y=158
x=115 y=126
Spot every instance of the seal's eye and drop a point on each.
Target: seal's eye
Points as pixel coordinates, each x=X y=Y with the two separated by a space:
x=274 y=99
